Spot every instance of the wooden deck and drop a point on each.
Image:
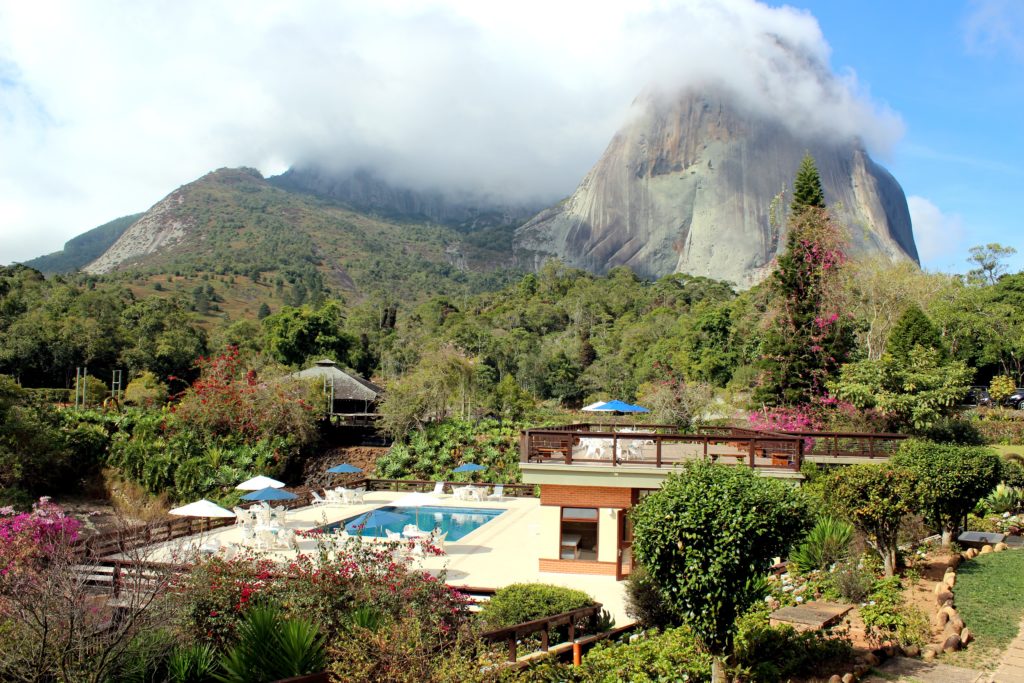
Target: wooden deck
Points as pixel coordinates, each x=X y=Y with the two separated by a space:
x=660 y=446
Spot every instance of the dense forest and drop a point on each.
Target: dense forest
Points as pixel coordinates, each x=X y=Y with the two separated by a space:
x=825 y=341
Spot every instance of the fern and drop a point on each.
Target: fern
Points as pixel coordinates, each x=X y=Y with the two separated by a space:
x=827 y=543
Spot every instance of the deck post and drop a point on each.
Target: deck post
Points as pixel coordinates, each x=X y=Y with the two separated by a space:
x=657 y=450
x=512 y=648
x=544 y=638
x=750 y=453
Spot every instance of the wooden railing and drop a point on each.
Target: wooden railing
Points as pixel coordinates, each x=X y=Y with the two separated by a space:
x=114 y=576
x=658 y=449
x=512 y=634
x=849 y=444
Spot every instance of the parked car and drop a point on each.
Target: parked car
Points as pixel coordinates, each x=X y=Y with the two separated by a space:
x=977 y=396
x=1015 y=400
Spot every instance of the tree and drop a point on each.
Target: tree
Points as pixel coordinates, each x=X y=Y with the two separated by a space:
x=293 y=335
x=910 y=394
x=672 y=400
x=954 y=479
x=707 y=538
x=263 y=312
x=807 y=190
x=875 y=499
x=989 y=261
x=807 y=338
x=1001 y=388
x=914 y=328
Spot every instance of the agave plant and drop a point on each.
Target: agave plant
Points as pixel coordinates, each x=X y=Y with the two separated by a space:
x=271 y=647
x=1003 y=499
x=194 y=664
x=827 y=543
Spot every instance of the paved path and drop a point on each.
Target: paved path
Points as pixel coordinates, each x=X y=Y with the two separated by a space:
x=905 y=670
x=1011 y=665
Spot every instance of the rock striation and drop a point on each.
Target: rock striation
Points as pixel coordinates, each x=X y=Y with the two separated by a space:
x=687 y=185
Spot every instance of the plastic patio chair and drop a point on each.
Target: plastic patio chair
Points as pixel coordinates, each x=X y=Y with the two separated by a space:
x=499 y=493
x=317 y=500
x=438 y=488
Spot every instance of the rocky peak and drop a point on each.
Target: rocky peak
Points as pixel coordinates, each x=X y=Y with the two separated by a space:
x=687 y=186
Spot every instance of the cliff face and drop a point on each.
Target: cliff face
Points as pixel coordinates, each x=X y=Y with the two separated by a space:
x=687 y=186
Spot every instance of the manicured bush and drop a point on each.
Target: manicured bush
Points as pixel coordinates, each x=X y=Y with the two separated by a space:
x=953 y=480
x=707 y=538
x=522 y=602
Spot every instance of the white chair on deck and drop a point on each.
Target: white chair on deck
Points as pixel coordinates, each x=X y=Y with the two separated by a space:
x=317 y=500
x=241 y=515
x=393 y=535
x=499 y=493
x=438 y=488
x=437 y=539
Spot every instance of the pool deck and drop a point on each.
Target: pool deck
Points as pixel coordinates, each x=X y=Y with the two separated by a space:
x=505 y=550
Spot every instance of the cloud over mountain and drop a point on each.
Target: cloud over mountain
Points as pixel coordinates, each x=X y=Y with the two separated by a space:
x=104 y=111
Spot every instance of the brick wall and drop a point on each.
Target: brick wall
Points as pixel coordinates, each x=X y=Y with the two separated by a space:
x=578 y=567
x=585 y=496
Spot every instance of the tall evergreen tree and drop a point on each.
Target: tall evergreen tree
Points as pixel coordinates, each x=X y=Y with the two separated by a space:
x=914 y=328
x=807 y=339
x=807 y=190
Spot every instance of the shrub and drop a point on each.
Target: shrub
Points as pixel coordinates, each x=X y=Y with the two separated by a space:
x=671 y=655
x=192 y=664
x=887 y=617
x=146 y=390
x=521 y=602
x=850 y=581
x=95 y=389
x=644 y=602
x=271 y=647
x=827 y=543
x=1001 y=388
x=770 y=654
x=1003 y=499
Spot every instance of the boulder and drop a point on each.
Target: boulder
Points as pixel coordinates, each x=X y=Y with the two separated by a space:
x=951 y=644
x=871 y=659
x=956 y=622
x=950 y=630
x=940 y=619
x=986 y=549
x=912 y=650
x=929 y=653
x=860 y=669
x=890 y=650
x=949 y=580
x=835 y=679
x=966 y=636
x=954 y=562
x=942 y=597
x=950 y=570
x=999 y=547
x=948 y=611
x=939 y=587
x=848 y=678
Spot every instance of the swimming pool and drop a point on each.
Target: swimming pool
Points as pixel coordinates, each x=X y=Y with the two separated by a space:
x=457 y=522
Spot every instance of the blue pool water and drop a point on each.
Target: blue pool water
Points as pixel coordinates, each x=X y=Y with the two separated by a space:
x=457 y=522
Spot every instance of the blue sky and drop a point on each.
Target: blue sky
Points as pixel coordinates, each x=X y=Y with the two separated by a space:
x=105 y=109
x=954 y=71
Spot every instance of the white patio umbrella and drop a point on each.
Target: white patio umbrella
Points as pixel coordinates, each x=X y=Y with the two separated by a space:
x=202 y=508
x=260 y=482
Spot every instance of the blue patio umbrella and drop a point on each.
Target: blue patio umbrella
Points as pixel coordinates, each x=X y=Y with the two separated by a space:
x=469 y=467
x=270 y=493
x=344 y=468
x=619 y=407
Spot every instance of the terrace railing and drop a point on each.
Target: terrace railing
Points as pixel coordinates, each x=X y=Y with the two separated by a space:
x=511 y=635
x=656 y=446
x=834 y=445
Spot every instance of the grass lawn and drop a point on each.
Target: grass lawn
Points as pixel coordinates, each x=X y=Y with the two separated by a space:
x=1003 y=450
x=990 y=597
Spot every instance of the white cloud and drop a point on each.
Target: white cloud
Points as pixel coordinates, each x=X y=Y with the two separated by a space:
x=104 y=111
x=995 y=26
x=940 y=237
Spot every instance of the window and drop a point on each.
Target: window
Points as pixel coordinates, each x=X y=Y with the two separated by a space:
x=578 y=538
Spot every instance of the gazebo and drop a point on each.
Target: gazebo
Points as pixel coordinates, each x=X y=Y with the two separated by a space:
x=348 y=395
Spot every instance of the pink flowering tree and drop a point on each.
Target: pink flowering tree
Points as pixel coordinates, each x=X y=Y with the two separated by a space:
x=30 y=540
x=808 y=337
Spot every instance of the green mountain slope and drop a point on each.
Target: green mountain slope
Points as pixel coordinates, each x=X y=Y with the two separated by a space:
x=232 y=222
x=84 y=248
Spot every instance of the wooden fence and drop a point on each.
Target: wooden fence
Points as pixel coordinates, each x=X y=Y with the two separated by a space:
x=512 y=634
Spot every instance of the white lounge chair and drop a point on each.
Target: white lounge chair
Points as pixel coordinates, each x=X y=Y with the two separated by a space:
x=317 y=500
x=438 y=539
x=241 y=515
x=333 y=497
x=393 y=535
x=499 y=493
x=438 y=488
